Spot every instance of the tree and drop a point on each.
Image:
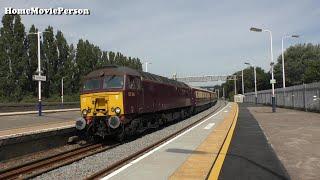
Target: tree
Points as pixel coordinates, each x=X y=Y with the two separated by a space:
x=302 y=65
x=13 y=57
x=50 y=62
x=32 y=53
x=62 y=62
x=72 y=72
x=19 y=54
x=262 y=81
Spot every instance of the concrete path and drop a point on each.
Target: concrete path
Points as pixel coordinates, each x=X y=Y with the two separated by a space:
x=295 y=137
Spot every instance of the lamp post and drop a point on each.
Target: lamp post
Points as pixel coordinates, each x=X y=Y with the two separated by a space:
x=235 y=84
x=223 y=95
x=242 y=82
x=272 y=81
x=147 y=65
x=62 y=91
x=255 y=82
x=282 y=49
x=39 y=77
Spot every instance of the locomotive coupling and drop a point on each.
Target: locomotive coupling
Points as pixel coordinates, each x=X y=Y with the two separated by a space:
x=114 y=122
x=80 y=123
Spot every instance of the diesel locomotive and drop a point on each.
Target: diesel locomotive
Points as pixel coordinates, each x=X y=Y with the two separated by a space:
x=119 y=101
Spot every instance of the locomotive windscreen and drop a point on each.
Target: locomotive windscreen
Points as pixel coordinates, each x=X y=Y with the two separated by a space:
x=91 y=84
x=110 y=82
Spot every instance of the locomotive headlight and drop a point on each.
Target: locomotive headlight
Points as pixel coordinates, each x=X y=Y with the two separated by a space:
x=117 y=110
x=80 y=123
x=84 y=113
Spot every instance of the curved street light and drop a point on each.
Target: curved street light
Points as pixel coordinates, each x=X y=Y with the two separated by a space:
x=255 y=81
x=282 y=49
x=272 y=81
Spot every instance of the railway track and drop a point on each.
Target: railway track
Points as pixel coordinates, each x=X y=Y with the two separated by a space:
x=43 y=165
x=135 y=155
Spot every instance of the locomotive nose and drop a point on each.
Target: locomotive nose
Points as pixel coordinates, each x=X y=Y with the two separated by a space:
x=114 y=122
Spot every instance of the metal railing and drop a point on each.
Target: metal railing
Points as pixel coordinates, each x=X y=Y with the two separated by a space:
x=305 y=97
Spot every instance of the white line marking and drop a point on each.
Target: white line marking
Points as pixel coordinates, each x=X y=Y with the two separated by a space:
x=35 y=112
x=35 y=132
x=209 y=126
x=157 y=148
x=225 y=111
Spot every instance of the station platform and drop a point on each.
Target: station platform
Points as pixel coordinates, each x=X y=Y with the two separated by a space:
x=189 y=155
x=24 y=124
x=239 y=142
x=281 y=145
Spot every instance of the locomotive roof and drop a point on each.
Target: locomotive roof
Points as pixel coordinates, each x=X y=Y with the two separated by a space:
x=121 y=70
x=157 y=78
x=112 y=70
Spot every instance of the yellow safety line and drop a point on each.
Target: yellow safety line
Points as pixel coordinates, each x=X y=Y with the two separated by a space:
x=198 y=166
x=215 y=171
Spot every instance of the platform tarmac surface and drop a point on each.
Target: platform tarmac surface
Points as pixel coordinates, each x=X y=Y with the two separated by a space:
x=250 y=156
x=23 y=124
x=295 y=138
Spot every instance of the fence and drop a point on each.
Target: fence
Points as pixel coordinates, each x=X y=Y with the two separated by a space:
x=305 y=97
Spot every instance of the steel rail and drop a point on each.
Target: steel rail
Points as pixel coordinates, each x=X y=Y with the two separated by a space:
x=40 y=166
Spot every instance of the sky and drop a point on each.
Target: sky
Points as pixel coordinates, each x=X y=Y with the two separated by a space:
x=187 y=37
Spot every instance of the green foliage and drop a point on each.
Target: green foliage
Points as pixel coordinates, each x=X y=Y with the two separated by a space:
x=13 y=57
x=19 y=61
x=248 y=74
x=302 y=65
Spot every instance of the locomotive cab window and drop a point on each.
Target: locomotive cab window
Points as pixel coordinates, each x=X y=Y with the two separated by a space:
x=113 y=82
x=91 y=84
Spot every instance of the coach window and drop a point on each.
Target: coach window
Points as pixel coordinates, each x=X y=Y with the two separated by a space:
x=134 y=82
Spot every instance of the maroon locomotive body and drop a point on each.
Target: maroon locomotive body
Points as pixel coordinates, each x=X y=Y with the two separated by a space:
x=121 y=101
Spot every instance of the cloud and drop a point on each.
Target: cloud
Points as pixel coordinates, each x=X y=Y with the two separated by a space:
x=187 y=37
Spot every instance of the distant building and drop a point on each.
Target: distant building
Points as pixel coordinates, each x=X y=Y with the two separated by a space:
x=238 y=98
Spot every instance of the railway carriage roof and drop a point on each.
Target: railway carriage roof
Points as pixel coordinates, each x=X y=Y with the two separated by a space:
x=201 y=89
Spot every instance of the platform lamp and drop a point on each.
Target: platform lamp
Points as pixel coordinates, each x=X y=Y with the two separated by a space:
x=272 y=81
x=282 y=49
x=255 y=81
x=147 y=65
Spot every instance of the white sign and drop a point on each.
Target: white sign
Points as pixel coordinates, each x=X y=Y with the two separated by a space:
x=272 y=81
x=39 y=78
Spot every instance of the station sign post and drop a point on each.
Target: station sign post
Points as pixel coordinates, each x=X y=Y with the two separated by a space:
x=39 y=78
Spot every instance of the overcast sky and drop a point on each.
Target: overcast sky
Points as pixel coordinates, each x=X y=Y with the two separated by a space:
x=183 y=36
